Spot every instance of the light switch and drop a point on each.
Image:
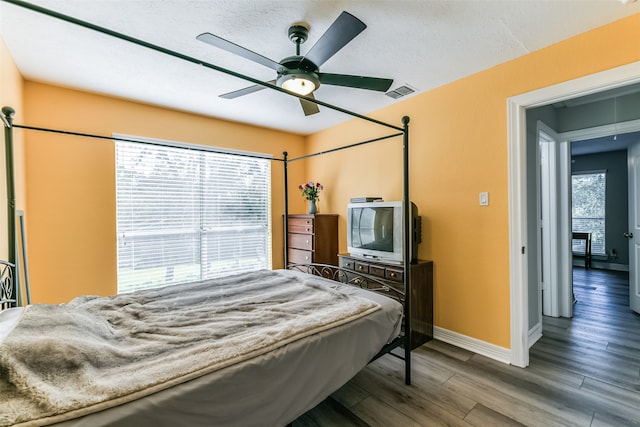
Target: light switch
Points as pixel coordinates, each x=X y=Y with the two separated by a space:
x=484 y=198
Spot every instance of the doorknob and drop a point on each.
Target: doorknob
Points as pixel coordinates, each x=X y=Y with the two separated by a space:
x=628 y=235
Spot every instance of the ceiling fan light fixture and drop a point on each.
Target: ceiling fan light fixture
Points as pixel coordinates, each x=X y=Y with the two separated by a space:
x=302 y=84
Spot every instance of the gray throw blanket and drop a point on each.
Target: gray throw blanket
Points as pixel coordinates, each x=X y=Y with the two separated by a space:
x=63 y=361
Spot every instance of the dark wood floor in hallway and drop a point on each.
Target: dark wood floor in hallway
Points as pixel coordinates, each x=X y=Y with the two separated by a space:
x=584 y=371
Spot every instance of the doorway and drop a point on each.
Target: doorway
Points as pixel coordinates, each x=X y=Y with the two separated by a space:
x=522 y=258
x=583 y=191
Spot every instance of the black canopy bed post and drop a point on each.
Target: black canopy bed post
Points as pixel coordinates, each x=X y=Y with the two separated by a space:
x=8 y=114
x=285 y=178
x=337 y=273
x=408 y=228
x=10 y=294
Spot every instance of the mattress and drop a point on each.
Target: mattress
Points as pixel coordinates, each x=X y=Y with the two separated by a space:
x=271 y=389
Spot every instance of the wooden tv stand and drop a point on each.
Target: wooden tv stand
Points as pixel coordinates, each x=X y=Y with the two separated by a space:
x=421 y=292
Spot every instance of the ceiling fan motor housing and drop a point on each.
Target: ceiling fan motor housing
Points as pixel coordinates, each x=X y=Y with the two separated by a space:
x=297 y=67
x=299 y=63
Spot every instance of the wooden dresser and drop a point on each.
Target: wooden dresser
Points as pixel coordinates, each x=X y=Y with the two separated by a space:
x=421 y=290
x=313 y=238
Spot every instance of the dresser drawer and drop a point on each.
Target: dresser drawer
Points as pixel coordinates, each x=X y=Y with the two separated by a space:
x=300 y=225
x=347 y=263
x=301 y=241
x=297 y=256
x=376 y=270
x=362 y=267
x=394 y=274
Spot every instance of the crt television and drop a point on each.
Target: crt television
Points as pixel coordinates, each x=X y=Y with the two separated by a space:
x=374 y=231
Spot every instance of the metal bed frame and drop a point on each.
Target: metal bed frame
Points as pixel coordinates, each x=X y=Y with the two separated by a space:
x=13 y=288
x=7 y=286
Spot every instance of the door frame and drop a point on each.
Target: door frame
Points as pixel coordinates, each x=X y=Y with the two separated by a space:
x=554 y=208
x=517 y=169
x=633 y=165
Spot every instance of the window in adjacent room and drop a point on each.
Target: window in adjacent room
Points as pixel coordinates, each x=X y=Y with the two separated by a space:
x=188 y=213
x=588 y=209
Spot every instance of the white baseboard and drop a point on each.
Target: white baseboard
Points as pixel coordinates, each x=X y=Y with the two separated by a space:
x=610 y=266
x=535 y=334
x=477 y=346
x=603 y=265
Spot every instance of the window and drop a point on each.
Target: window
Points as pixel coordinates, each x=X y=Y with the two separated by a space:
x=588 y=209
x=186 y=214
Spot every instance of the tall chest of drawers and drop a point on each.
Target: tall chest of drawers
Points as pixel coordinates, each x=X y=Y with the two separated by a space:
x=313 y=238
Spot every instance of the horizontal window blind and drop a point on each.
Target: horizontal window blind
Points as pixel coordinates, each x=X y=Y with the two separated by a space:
x=187 y=215
x=588 y=193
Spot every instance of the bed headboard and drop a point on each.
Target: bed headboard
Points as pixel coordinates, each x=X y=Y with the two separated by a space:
x=7 y=287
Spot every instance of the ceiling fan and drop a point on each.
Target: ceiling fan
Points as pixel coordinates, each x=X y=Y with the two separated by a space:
x=301 y=73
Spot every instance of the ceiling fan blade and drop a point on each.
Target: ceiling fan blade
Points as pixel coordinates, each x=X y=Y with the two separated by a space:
x=223 y=44
x=309 y=107
x=245 y=91
x=344 y=29
x=360 y=82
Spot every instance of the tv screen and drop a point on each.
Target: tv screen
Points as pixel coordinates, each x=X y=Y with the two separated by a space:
x=372 y=228
x=375 y=231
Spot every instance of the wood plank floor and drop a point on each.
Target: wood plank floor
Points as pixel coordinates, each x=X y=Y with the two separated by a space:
x=584 y=371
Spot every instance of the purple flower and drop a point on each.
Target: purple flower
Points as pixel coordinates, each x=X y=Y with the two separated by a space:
x=310 y=190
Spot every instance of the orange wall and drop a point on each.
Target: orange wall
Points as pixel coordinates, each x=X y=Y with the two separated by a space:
x=458 y=148
x=71 y=181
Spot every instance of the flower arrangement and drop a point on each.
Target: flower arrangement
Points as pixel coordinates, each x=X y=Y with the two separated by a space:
x=310 y=190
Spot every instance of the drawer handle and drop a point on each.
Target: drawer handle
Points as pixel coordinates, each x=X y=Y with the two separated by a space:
x=306 y=241
x=306 y=258
x=360 y=267
x=308 y=229
x=392 y=274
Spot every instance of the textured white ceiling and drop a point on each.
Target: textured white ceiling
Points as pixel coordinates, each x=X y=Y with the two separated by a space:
x=424 y=44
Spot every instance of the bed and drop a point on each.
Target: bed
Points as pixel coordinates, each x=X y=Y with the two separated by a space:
x=268 y=385
x=110 y=363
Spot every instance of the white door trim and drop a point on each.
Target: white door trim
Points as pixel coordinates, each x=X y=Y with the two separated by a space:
x=565 y=256
x=549 y=233
x=517 y=161
x=554 y=240
x=600 y=131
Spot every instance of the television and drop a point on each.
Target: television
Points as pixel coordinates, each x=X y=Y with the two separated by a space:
x=375 y=229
